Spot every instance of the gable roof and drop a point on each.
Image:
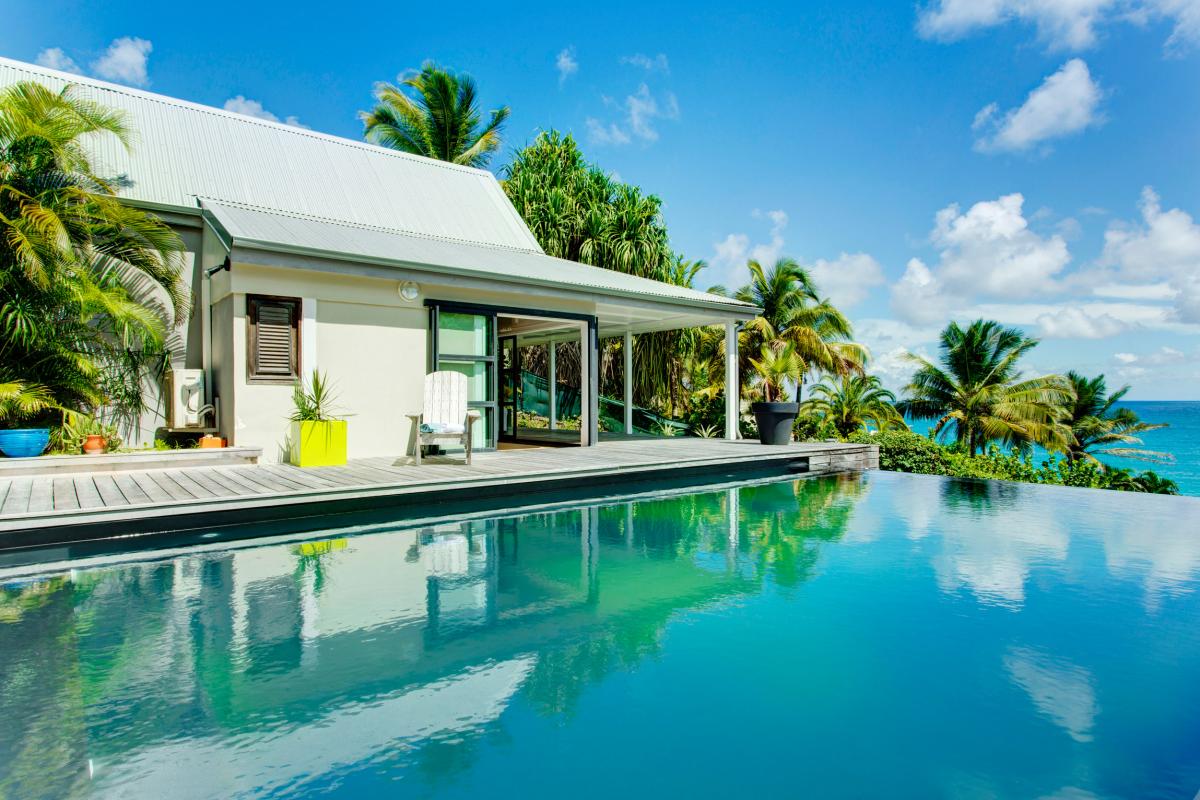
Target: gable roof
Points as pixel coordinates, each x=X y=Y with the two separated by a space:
x=182 y=151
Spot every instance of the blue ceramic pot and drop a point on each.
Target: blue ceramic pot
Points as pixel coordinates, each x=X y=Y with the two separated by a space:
x=24 y=442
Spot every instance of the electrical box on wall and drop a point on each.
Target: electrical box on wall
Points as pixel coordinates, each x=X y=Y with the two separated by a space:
x=185 y=398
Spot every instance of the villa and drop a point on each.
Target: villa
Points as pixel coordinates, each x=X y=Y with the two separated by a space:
x=308 y=251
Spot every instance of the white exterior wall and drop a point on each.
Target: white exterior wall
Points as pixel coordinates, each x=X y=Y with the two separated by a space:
x=375 y=356
x=370 y=344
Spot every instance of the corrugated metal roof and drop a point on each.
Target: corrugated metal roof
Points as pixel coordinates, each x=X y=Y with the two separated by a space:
x=265 y=229
x=183 y=151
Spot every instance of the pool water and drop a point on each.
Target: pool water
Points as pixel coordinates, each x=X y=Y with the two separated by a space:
x=883 y=635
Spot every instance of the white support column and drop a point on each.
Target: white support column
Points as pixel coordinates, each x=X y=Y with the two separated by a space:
x=627 y=349
x=584 y=399
x=552 y=351
x=733 y=388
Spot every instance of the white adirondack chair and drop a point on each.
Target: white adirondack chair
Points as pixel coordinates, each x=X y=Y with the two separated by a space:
x=445 y=416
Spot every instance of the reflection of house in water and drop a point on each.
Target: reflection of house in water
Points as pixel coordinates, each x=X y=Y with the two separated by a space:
x=217 y=671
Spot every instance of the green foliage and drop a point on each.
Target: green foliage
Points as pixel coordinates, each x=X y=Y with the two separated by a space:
x=314 y=402
x=88 y=287
x=977 y=385
x=438 y=117
x=578 y=212
x=904 y=451
x=21 y=402
x=777 y=365
x=848 y=404
x=1098 y=429
x=793 y=314
x=69 y=435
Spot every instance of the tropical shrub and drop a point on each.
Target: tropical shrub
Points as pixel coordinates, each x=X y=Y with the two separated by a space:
x=89 y=287
x=904 y=451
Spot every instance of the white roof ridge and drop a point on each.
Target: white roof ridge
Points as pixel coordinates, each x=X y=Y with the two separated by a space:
x=74 y=77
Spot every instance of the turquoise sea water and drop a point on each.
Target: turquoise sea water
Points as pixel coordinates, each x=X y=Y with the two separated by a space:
x=1181 y=440
x=883 y=635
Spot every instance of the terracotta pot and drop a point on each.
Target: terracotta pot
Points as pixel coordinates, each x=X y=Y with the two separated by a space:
x=207 y=442
x=93 y=444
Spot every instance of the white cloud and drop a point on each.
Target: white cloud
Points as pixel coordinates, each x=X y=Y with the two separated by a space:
x=253 y=108
x=124 y=61
x=987 y=251
x=566 y=64
x=1060 y=24
x=1136 y=291
x=648 y=63
x=55 y=58
x=1129 y=315
x=1074 y=322
x=599 y=133
x=1165 y=247
x=1125 y=358
x=641 y=113
x=848 y=279
x=728 y=262
x=768 y=253
x=1067 y=102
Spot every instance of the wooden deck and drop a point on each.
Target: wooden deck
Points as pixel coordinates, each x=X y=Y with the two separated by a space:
x=41 y=510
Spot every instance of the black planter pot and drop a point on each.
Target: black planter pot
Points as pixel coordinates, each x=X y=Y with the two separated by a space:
x=775 y=421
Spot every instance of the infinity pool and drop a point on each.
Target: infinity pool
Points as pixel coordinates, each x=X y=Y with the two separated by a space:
x=875 y=636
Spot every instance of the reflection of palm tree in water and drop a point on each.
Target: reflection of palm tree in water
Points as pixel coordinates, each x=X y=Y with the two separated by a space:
x=787 y=522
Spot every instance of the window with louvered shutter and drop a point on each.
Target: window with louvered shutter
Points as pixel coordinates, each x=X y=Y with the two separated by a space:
x=274 y=339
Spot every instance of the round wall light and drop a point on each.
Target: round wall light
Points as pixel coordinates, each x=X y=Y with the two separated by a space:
x=409 y=291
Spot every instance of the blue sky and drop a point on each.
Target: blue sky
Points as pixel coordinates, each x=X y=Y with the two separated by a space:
x=1036 y=161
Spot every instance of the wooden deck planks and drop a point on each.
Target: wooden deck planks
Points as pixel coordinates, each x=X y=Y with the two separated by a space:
x=17 y=499
x=63 y=494
x=130 y=489
x=110 y=493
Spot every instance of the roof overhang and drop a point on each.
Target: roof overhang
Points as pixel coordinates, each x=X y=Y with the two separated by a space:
x=623 y=301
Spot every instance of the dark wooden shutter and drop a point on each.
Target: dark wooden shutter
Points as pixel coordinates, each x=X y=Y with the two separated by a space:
x=274 y=338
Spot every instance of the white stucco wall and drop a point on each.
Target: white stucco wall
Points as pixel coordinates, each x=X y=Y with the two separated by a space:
x=367 y=341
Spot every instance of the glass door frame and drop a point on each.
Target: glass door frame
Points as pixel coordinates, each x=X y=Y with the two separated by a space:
x=493 y=405
x=489 y=408
x=513 y=373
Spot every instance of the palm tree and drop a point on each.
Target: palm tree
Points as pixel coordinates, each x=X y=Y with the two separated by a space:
x=88 y=287
x=19 y=401
x=849 y=403
x=776 y=366
x=1096 y=426
x=978 y=387
x=437 y=117
x=793 y=313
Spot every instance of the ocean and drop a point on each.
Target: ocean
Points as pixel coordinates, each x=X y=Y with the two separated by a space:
x=1181 y=439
